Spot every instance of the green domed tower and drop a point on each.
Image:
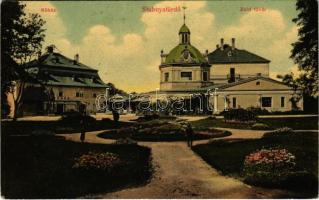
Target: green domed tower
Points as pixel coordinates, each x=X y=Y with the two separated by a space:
x=184 y=67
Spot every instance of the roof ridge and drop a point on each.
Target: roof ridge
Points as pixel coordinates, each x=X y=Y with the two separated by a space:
x=237 y=56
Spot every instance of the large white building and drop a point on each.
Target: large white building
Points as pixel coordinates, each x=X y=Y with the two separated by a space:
x=228 y=77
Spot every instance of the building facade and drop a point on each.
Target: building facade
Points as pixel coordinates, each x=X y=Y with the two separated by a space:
x=227 y=77
x=64 y=83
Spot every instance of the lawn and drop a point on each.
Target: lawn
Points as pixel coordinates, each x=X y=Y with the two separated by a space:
x=41 y=167
x=15 y=127
x=297 y=123
x=228 y=156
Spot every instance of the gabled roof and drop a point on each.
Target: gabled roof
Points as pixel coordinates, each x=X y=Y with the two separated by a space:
x=57 y=60
x=228 y=85
x=56 y=69
x=228 y=55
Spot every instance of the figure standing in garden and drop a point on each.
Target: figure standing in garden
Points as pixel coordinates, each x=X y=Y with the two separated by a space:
x=82 y=123
x=116 y=115
x=189 y=135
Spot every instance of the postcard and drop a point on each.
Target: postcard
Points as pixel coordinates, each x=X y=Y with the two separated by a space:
x=159 y=99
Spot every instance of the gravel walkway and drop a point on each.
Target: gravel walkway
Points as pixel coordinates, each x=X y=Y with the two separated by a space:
x=180 y=173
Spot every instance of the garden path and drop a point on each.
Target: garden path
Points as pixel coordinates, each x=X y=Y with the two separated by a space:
x=180 y=173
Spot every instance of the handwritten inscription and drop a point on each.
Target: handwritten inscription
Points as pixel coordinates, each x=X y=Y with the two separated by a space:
x=48 y=10
x=252 y=9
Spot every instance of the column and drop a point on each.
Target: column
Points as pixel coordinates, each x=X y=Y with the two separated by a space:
x=225 y=103
x=215 y=104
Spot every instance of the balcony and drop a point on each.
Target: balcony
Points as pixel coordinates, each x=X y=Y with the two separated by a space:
x=237 y=76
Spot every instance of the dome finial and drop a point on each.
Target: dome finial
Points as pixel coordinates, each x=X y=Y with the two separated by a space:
x=184 y=8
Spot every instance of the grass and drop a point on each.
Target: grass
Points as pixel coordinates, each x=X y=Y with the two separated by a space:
x=163 y=137
x=297 y=123
x=228 y=156
x=14 y=127
x=41 y=167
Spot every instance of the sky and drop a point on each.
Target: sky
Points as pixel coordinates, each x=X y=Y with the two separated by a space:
x=123 y=42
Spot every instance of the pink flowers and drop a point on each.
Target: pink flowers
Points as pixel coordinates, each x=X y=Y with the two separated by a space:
x=269 y=166
x=92 y=160
x=270 y=156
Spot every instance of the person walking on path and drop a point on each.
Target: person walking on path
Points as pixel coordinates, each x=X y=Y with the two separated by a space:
x=189 y=135
x=83 y=124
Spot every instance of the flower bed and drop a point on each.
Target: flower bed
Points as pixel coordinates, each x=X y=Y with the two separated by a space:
x=97 y=161
x=269 y=167
x=158 y=130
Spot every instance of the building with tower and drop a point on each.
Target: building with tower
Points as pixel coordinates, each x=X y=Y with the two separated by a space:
x=227 y=77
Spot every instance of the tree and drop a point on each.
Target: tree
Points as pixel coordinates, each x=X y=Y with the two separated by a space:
x=305 y=54
x=113 y=90
x=21 y=41
x=305 y=83
x=305 y=50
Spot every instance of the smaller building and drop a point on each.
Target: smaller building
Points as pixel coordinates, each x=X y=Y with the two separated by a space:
x=63 y=85
x=230 y=64
x=259 y=92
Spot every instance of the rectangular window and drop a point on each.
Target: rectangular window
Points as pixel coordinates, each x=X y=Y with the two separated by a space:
x=60 y=94
x=79 y=94
x=266 y=102
x=234 y=102
x=282 y=101
x=186 y=75
x=205 y=76
x=166 y=76
x=232 y=75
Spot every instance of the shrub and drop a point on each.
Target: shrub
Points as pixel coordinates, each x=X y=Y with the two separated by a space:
x=240 y=115
x=125 y=141
x=258 y=110
x=170 y=128
x=97 y=161
x=279 y=132
x=269 y=167
x=127 y=130
x=74 y=117
x=152 y=123
x=283 y=130
x=259 y=126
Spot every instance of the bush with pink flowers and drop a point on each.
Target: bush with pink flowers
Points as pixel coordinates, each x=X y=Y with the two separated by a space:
x=270 y=166
x=97 y=161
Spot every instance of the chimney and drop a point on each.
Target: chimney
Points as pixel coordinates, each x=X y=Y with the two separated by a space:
x=50 y=49
x=222 y=44
x=217 y=46
x=76 y=59
x=233 y=43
